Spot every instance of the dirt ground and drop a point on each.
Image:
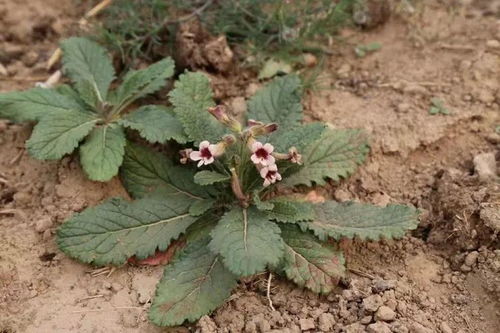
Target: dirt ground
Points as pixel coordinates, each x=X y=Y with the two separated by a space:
x=444 y=277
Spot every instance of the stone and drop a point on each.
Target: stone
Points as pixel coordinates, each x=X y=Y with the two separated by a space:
x=30 y=59
x=354 y=328
x=383 y=285
x=385 y=313
x=43 y=223
x=306 y=324
x=378 y=327
x=485 y=166
x=445 y=328
x=403 y=107
x=493 y=44
x=471 y=258
x=418 y=328
x=326 y=322
x=372 y=303
x=310 y=60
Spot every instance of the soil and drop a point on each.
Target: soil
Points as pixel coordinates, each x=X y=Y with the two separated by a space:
x=444 y=277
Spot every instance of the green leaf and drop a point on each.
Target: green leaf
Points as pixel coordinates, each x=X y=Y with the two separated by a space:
x=144 y=170
x=273 y=67
x=336 y=154
x=58 y=134
x=155 y=123
x=247 y=240
x=89 y=67
x=191 y=97
x=299 y=137
x=206 y=177
x=116 y=230
x=278 y=102
x=33 y=104
x=288 y=211
x=200 y=207
x=365 y=221
x=261 y=205
x=102 y=153
x=138 y=84
x=193 y=285
x=309 y=263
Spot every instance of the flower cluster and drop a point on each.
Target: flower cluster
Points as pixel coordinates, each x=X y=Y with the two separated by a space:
x=262 y=154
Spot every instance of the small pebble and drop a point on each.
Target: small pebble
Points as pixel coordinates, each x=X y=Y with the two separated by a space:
x=385 y=313
x=43 y=224
x=306 y=324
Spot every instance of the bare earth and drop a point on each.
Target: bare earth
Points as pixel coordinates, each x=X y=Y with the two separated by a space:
x=444 y=277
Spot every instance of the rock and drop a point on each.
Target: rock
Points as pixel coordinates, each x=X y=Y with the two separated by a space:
x=403 y=107
x=485 y=166
x=310 y=60
x=385 y=313
x=344 y=70
x=342 y=195
x=326 y=322
x=464 y=268
x=207 y=325
x=383 y=285
x=42 y=224
x=493 y=44
x=30 y=59
x=372 y=303
x=22 y=198
x=378 y=328
x=417 y=328
x=306 y=324
x=445 y=328
x=366 y=320
x=471 y=258
x=354 y=328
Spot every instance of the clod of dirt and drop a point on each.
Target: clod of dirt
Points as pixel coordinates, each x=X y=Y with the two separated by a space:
x=378 y=327
x=371 y=13
x=197 y=49
x=306 y=324
x=485 y=166
x=385 y=313
x=43 y=224
x=372 y=303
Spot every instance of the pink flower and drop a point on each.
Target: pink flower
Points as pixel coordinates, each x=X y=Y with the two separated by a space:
x=205 y=155
x=270 y=174
x=261 y=154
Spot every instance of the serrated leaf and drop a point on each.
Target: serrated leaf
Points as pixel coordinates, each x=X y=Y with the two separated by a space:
x=89 y=67
x=191 y=97
x=279 y=102
x=155 y=123
x=262 y=205
x=193 y=285
x=58 y=134
x=102 y=153
x=336 y=154
x=207 y=177
x=309 y=263
x=138 y=84
x=365 y=221
x=200 y=207
x=247 y=240
x=299 y=137
x=289 y=211
x=116 y=230
x=33 y=104
x=144 y=170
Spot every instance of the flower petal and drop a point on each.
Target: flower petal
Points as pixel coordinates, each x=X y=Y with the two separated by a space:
x=204 y=144
x=255 y=159
x=200 y=163
x=263 y=172
x=209 y=160
x=195 y=155
x=268 y=147
x=256 y=146
x=267 y=183
x=278 y=176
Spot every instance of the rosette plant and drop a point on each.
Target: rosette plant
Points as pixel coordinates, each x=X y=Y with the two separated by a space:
x=91 y=113
x=220 y=204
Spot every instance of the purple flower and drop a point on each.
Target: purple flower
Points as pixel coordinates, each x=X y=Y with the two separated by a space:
x=270 y=174
x=206 y=154
x=261 y=154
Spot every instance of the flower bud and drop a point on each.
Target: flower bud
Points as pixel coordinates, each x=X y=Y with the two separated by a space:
x=259 y=130
x=220 y=113
x=185 y=155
